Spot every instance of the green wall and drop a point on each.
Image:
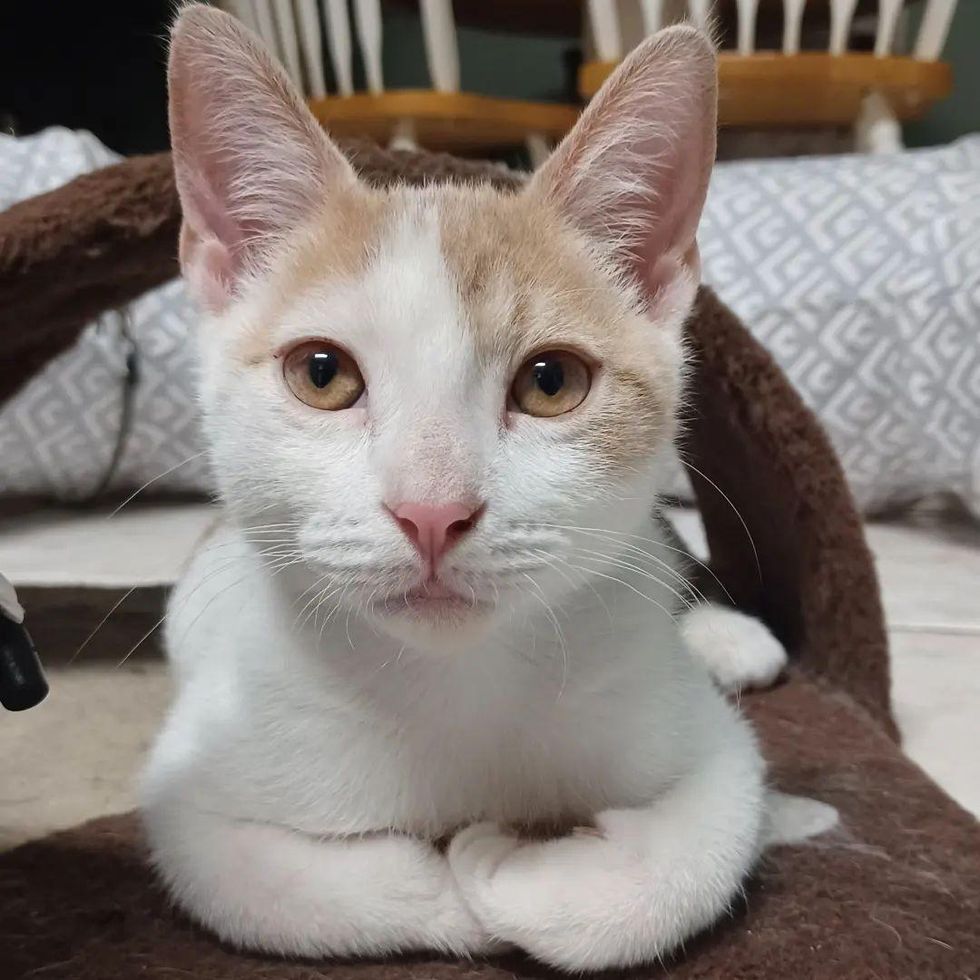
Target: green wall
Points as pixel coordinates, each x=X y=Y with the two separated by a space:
x=960 y=113
x=491 y=63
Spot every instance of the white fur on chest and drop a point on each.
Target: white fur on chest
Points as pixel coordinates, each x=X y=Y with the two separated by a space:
x=345 y=732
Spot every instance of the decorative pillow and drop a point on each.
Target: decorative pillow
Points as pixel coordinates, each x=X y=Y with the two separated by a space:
x=117 y=409
x=57 y=435
x=861 y=275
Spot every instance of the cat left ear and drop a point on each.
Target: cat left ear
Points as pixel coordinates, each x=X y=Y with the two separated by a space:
x=250 y=160
x=633 y=172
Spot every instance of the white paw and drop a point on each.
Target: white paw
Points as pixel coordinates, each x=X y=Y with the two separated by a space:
x=475 y=855
x=547 y=896
x=738 y=650
x=793 y=819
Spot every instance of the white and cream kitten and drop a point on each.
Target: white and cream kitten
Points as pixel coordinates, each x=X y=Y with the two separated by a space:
x=439 y=608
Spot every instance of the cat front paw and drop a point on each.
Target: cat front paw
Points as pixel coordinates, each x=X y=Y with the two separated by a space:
x=739 y=651
x=477 y=851
x=556 y=899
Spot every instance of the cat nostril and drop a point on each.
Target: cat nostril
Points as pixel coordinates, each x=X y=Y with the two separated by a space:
x=465 y=524
x=459 y=528
x=409 y=528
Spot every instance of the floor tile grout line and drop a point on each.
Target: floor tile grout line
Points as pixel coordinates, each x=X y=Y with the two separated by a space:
x=937 y=629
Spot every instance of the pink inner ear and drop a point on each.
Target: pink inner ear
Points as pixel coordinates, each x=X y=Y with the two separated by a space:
x=208 y=267
x=634 y=170
x=206 y=211
x=675 y=172
x=654 y=276
x=656 y=270
x=250 y=160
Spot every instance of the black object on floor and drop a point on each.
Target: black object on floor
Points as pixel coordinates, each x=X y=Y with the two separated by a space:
x=22 y=683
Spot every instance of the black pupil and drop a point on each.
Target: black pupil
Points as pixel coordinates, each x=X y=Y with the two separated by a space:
x=323 y=368
x=549 y=376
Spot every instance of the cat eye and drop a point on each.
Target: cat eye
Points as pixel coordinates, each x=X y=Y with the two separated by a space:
x=551 y=383
x=323 y=376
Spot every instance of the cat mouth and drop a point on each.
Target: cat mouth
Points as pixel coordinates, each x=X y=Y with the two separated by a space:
x=432 y=600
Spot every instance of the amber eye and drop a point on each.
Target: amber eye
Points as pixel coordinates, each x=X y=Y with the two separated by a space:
x=551 y=383
x=323 y=376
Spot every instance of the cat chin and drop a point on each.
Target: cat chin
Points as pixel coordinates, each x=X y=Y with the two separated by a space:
x=440 y=626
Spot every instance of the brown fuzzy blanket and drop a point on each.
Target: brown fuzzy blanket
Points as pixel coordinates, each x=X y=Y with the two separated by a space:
x=894 y=893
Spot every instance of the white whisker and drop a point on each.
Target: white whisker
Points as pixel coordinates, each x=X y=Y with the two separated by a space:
x=639 y=537
x=586 y=554
x=159 y=476
x=142 y=639
x=735 y=511
x=88 y=639
x=539 y=595
x=632 y=588
x=551 y=562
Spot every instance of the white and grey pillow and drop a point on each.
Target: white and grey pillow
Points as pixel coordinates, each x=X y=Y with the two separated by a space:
x=861 y=275
x=117 y=408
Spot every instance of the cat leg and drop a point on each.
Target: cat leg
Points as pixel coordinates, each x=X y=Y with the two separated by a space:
x=638 y=885
x=266 y=888
x=738 y=650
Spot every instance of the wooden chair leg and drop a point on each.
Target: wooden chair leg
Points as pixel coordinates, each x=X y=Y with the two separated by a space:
x=403 y=136
x=877 y=129
x=538 y=149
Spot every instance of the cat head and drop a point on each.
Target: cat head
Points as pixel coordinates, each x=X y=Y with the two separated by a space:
x=438 y=401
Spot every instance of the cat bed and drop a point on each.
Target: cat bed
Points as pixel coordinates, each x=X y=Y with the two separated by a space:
x=893 y=892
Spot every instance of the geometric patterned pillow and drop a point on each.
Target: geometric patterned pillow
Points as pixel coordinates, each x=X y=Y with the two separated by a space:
x=164 y=443
x=56 y=435
x=861 y=275
x=114 y=411
x=58 y=432
x=85 y=423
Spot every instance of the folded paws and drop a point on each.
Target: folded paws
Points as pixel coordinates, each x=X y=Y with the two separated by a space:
x=571 y=902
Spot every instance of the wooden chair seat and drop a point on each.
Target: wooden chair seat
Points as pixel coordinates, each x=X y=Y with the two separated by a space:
x=811 y=88
x=458 y=122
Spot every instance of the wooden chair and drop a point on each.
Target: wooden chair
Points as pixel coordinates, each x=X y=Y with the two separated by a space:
x=871 y=90
x=764 y=82
x=441 y=117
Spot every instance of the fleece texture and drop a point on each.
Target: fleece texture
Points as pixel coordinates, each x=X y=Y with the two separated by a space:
x=893 y=893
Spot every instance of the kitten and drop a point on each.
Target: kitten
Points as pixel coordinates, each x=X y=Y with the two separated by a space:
x=439 y=608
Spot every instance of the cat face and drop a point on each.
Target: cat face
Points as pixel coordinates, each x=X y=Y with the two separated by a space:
x=450 y=401
x=442 y=345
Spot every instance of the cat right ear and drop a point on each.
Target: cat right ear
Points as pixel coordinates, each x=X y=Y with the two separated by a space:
x=634 y=170
x=250 y=160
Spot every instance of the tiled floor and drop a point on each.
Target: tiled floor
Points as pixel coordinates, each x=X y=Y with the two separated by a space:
x=930 y=580
x=75 y=756
x=930 y=577
x=936 y=696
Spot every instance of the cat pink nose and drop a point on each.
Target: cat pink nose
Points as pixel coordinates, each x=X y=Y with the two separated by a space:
x=435 y=528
